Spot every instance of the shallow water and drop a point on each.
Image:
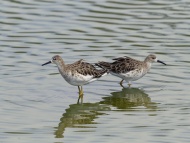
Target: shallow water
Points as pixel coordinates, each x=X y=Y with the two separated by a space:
x=37 y=105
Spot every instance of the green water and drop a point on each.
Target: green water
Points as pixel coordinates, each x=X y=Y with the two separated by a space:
x=37 y=105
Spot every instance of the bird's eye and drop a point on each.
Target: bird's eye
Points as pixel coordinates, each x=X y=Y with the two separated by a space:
x=54 y=58
x=153 y=58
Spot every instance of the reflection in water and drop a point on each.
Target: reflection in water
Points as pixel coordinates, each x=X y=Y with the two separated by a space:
x=80 y=115
x=127 y=98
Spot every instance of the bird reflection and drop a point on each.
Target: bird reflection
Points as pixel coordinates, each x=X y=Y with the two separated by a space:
x=83 y=115
x=128 y=98
x=77 y=115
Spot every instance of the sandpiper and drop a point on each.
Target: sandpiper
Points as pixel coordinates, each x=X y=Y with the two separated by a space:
x=78 y=73
x=129 y=69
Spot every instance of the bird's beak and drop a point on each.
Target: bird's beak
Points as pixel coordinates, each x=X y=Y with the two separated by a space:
x=161 y=62
x=46 y=63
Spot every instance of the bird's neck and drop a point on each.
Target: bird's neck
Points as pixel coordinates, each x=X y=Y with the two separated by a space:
x=61 y=66
x=146 y=60
x=148 y=65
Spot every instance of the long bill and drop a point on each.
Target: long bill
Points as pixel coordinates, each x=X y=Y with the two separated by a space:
x=46 y=63
x=161 y=62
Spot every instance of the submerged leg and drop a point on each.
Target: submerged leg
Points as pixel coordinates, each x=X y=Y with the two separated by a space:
x=80 y=94
x=121 y=82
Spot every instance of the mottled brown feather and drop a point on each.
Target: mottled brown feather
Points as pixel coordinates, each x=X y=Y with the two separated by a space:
x=121 y=65
x=85 y=68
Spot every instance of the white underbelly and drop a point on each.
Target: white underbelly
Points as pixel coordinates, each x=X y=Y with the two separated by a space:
x=130 y=76
x=78 y=79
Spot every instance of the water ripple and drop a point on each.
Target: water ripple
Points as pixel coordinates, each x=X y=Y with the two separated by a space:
x=38 y=105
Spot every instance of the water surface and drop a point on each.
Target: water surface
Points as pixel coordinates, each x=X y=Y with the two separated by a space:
x=37 y=105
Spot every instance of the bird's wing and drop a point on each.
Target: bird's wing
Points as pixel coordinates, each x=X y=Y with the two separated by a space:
x=85 y=68
x=124 y=65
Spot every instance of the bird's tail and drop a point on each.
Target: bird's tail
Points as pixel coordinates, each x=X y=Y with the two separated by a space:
x=104 y=72
x=104 y=68
x=104 y=65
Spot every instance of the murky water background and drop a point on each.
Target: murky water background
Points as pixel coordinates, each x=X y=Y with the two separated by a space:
x=37 y=105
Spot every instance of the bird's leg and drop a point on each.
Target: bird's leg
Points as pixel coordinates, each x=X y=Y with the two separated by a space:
x=79 y=89
x=80 y=94
x=121 y=82
x=129 y=84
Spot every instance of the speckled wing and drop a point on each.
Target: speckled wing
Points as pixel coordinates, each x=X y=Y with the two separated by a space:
x=85 y=68
x=124 y=65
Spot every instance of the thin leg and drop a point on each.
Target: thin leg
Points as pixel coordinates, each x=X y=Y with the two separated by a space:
x=81 y=90
x=80 y=94
x=121 y=82
x=78 y=100
x=129 y=84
